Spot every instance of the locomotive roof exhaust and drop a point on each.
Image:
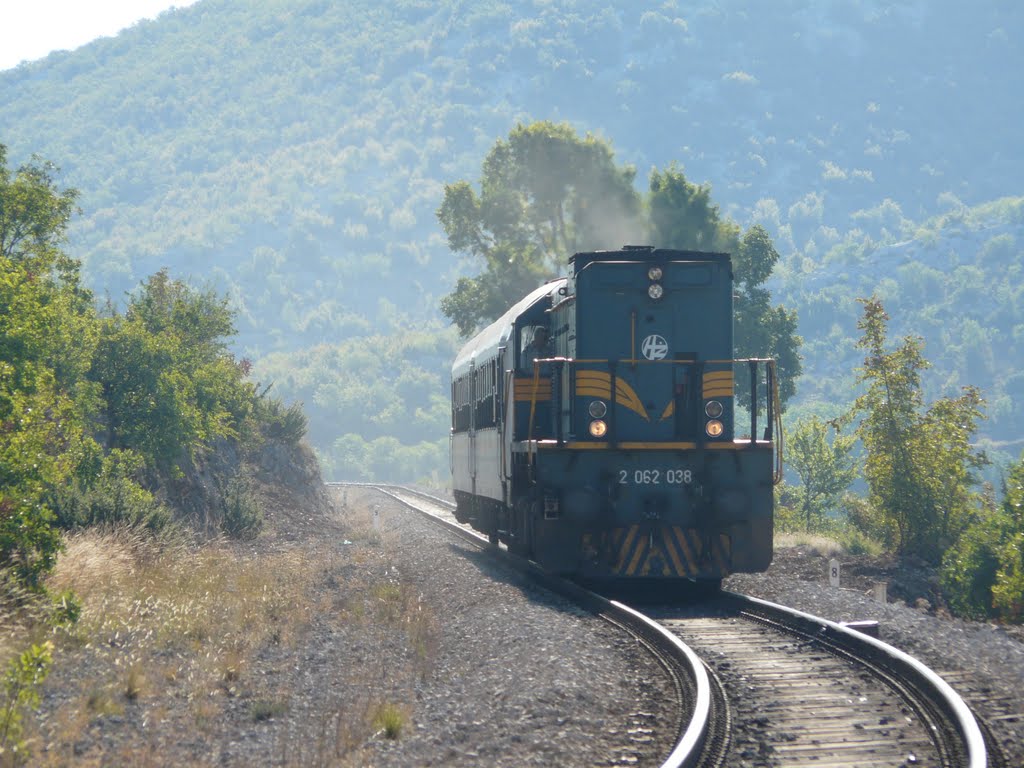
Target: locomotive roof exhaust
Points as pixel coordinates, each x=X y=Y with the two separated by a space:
x=643 y=253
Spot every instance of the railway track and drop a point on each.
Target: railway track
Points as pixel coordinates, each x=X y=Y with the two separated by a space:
x=803 y=691
x=762 y=685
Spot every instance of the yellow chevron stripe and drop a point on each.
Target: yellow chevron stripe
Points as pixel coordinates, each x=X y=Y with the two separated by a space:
x=631 y=400
x=637 y=556
x=669 y=410
x=598 y=384
x=711 y=393
x=717 y=376
x=684 y=547
x=721 y=552
x=627 y=545
x=666 y=535
x=718 y=384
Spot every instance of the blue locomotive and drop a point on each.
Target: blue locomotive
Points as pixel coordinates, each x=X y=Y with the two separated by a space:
x=593 y=424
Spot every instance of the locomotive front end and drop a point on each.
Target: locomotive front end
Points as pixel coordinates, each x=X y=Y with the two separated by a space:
x=636 y=467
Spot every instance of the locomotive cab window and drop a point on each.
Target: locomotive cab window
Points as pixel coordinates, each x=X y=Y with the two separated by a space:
x=534 y=344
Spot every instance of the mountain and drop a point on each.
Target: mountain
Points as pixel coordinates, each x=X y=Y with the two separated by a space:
x=293 y=152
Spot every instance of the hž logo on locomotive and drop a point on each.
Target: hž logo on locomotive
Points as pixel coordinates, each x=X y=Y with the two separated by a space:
x=654 y=347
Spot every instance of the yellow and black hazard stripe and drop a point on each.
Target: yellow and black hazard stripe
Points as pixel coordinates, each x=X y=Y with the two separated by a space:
x=668 y=551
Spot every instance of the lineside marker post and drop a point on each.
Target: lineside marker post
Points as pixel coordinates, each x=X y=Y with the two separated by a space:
x=833 y=573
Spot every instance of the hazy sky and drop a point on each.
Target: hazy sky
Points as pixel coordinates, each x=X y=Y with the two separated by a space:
x=30 y=29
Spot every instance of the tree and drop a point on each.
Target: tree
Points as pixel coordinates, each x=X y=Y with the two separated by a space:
x=983 y=575
x=682 y=216
x=34 y=212
x=1008 y=592
x=760 y=329
x=47 y=333
x=170 y=389
x=919 y=461
x=825 y=469
x=545 y=193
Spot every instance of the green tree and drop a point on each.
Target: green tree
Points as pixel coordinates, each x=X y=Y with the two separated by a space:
x=170 y=389
x=682 y=216
x=763 y=330
x=47 y=333
x=545 y=193
x=919 y=461
x=34 y=214
x=825 y=468
x=983 y=575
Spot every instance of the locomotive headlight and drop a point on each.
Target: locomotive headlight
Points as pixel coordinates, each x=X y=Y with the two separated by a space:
x=598 y=428
x=713 y=409
x=655 y=291
x=654 y=273
x=714 y=428
x=597 y=409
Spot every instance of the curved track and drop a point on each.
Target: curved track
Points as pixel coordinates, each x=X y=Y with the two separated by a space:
x=776 y=687
x=805 y=691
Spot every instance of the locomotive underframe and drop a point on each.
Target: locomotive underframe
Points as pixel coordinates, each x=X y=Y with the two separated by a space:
x=630 y=514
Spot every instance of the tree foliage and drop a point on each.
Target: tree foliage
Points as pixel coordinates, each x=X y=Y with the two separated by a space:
x=920 y=462
x=169 y=386
x=825 y=468
x=545 y=193
x=983 y=576
x=99 y=415
x=47 y=335
x=682 y=215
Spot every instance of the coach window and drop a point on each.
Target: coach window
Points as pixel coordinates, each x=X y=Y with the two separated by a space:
x=461 y=403
x=485 y=390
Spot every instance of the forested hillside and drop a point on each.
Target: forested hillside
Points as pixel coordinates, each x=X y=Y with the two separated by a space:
x=954 y=280
x=293 y=153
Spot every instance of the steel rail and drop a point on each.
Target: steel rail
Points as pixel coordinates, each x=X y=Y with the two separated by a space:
x=665 y=645
x=972 y=752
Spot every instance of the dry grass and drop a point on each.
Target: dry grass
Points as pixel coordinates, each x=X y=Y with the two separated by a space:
x=816 y=544
x=171 y=632
x=162 y=621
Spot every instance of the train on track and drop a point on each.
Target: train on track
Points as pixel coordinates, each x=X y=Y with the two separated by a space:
x=594 y=425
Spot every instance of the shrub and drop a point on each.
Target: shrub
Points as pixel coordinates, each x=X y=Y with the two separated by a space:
x=1008 y=591
x=21 y=692
x=389 y=720
x=279 y=423
x=856 y=542
x=969 y=569
x=242 y=517
x=111 y=495
x=65 y=609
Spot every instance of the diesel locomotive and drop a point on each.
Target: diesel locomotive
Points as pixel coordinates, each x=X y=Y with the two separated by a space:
x=594 y=425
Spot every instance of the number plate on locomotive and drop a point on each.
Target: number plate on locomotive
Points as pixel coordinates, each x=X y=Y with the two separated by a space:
x=655 y=476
